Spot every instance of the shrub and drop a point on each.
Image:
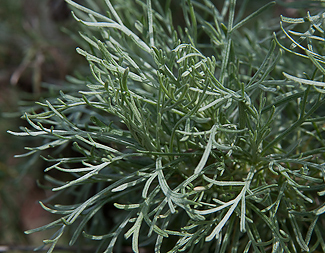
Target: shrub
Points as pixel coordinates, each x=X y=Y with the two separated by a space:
x=205 y=137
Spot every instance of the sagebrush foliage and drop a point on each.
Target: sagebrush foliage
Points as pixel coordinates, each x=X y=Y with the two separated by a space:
x=205 y=137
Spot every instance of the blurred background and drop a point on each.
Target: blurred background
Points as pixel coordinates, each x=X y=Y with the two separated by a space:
x=35 y=49
x=37 y=42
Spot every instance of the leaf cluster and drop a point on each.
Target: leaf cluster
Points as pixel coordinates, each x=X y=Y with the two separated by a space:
x=193 y=133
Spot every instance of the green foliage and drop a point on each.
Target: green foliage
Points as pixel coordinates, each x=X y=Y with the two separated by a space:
x=204 y=137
